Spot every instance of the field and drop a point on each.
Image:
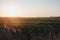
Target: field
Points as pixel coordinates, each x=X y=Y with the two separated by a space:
x=47 y=28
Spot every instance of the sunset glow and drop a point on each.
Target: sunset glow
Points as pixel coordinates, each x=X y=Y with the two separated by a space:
x=12 y=11
x=29 y=8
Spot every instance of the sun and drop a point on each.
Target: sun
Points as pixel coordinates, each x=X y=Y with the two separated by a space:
x=12 y=11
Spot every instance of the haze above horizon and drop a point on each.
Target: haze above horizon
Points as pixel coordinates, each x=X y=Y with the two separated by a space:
x=29 y=8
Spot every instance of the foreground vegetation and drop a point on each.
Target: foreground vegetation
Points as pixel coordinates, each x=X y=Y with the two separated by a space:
x=31 y=29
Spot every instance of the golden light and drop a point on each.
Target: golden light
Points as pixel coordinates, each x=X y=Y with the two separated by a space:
x=11 y=11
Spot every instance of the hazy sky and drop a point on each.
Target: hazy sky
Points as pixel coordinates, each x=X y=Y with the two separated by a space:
x=32 y=8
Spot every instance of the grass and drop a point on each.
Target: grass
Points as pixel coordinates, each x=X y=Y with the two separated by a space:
x=30 y=29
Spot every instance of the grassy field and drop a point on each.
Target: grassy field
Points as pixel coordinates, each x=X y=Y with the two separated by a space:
x=47 y=28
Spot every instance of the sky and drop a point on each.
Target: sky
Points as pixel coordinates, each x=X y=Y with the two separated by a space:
x=30 y=8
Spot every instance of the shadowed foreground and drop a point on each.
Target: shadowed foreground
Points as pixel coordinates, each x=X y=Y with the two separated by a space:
x=45 y=29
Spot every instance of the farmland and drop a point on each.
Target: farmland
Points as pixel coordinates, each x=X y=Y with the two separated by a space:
x=44 y=28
